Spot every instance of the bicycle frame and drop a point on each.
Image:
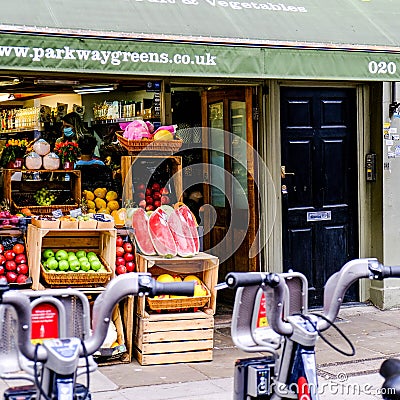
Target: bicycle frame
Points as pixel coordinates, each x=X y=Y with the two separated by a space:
x=294 y=364
x=59 y=357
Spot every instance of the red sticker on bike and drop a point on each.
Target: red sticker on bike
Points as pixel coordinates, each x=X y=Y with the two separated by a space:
x=44 y=322
x=303 y=392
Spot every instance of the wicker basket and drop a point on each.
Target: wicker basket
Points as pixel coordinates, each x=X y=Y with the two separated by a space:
x=177 y=303
x=135 y=147
x=42 y=210
x=76 y=278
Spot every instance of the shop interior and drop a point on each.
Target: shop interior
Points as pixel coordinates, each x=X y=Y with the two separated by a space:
x=31 y=107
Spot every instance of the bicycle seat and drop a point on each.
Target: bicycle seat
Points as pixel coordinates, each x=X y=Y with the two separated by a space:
x=390 y=370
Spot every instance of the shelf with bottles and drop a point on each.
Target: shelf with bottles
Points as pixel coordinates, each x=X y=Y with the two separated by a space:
x=20 y=119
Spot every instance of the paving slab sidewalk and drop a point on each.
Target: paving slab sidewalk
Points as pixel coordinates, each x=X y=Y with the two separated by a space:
x=374 y=333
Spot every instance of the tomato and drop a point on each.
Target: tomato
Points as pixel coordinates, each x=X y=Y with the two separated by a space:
x=9 y=255
x=128 y=247
x=121 y=269
x=120 y=251
x=130 y=266
x=11 y=276
x=22 y=269
x=11 y=265
x=120 y=241
x=21 y=278
x=20 y=259
x=1 y=249
x=128 y=257
x=19 y=248
x=120 y=261
x=2 y=259
x=2 y=270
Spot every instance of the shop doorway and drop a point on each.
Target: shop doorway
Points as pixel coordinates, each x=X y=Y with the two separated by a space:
x=319 y=183
x=230 y=222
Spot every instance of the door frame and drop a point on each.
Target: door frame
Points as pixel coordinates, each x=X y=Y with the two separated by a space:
x=271 y=153
x=247 y=90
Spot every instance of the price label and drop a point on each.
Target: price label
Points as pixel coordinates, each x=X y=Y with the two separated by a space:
x=57 y=213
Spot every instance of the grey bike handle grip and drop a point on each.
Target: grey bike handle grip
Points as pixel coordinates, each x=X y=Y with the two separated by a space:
x=241 y=279
x=173 y=288
x=391 y=271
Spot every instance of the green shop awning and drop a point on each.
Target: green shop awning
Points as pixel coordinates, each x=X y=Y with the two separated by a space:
x=294 y=39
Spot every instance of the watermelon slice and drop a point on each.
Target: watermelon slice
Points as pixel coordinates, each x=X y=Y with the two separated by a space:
x=187 y=215
x=182 y=234
x=160 y=234
x=140 y=222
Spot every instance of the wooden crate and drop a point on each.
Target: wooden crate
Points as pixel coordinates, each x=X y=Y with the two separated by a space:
x=204 y=265
x=14 y=188
x=101 y=241
x=127 y=172
x=173 y=338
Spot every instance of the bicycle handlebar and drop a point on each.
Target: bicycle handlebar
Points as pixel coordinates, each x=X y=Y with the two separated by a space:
x=335 y=288
x=136 y=284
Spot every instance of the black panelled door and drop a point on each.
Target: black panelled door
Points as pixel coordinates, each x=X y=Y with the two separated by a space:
x=319 y=183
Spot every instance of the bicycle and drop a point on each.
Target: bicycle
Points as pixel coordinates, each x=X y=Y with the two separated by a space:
x=54 y=365
x=290 y=370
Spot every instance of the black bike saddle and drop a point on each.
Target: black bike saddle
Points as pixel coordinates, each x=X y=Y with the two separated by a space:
x=390 y=370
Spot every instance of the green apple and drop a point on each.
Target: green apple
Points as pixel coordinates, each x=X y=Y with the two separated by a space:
x=61 y=255
x=74 y=265
x=90 y=254
x=71 y=253
x=63 y=265
x=85 y=265
x=47 y=253
x=95 y=265
x=72 y=257
x=80 y=253
x=80 y=259
x=52 y=263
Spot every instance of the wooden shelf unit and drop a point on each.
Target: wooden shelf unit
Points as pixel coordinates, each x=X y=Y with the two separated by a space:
x=187 y=336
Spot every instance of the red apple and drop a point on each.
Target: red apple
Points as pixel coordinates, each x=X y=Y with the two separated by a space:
x=21 y=278
x=2 y=270
x=121 y=269
x=20 y=259
x=22 y=269
x=120 y=261
x=128 y=247
x=11 y=276
x=130 y=266
x=142 y=203
x=128 y=257
x=150 y=207
x=9 y=255
x=155 y=186
x=1 y=249
x=149 y=200
x=120 y=251
x=2 y=259
x=11 y=265
x=164 y=199
x=141 y=187
x=156 y=195
x=141 y=195
x=120 y=241
x=164 y=190
x=157 y=203
x=148 y=192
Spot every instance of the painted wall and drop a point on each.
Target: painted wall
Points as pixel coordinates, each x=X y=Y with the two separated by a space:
x=386 y=294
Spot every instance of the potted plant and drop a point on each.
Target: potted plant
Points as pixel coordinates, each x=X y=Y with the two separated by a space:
x=68 y=152
x=13 y=153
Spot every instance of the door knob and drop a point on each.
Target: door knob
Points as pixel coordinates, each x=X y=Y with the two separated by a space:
x=284 y=173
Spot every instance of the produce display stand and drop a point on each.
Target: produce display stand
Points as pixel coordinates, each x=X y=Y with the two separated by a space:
x=15 y=190
x=176 y=171
x=103 y=243
x=181 y=336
